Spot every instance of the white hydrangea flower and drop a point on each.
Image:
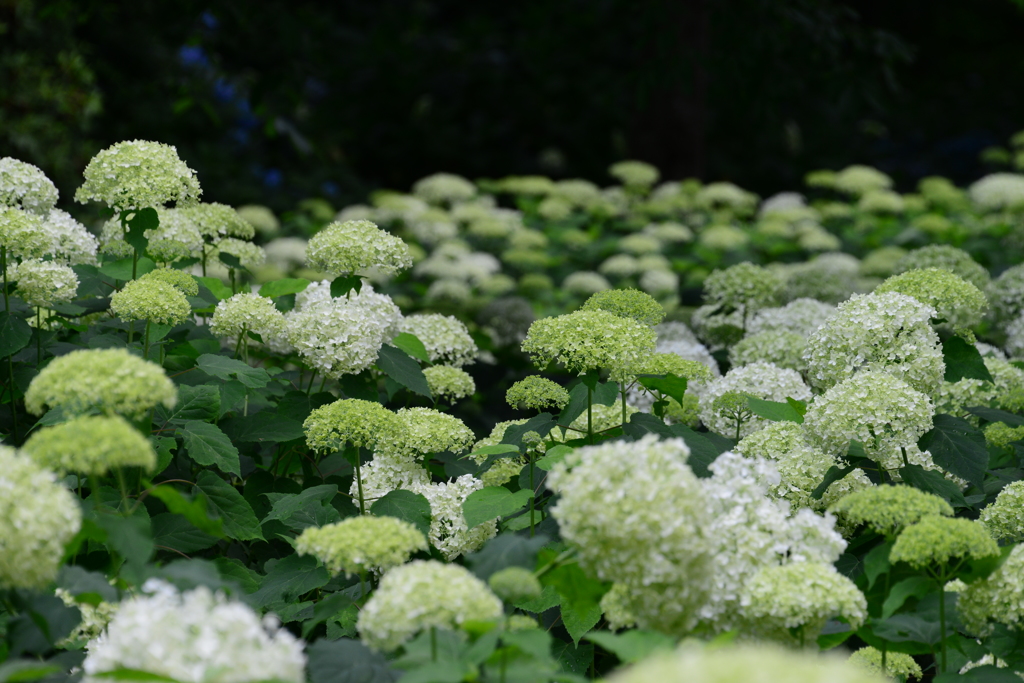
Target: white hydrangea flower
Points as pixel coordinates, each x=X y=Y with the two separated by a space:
x=761 y=380
x=585 y=282
x=448 y=530
x=659 y=282
x=443 y=187
x=246 y=312
x=287 y=253
x=26 y=187
x=72 y=242
x=998 y=191
x=44 y=283
x=800 y=316
x=138 y=174
x=445 y=337
x=194 y=637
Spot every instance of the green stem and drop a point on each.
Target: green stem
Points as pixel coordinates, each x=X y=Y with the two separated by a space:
x=359 y=480
x=124 y=490
x=942 y=624
x=238 y=346
x=231 y=274
x=622 y=392
x=312 y=379
x=533 y=497
x=39 y=336
x=590 y=415
x=145 y=343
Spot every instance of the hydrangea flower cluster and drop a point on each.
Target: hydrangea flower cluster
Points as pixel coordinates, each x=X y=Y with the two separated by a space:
x=194 y=637
x=151 y=300
x=421 y=595
x=882 y=412
x=91 y=444
x=23 y=234
x=896 y=663
x=935 y=540
x=441 y=188
x=635 y=174
x=349 y=247
x=44 y=283
x=358 y=545
x=446 y=338
x=588 y=340
x=449 y=532
x=1000 y=435
x=1006 y=391
x=1004 y=517
x=998 y=191
x=887 y=510
x=245 y=312
x=537 y=393
x=94 y=620
x=759 y=379
x=73 y=244
x=449 y=382
x=422 y=431
x=1006 y=294
x=745 y=287
x=177 y=278
x=138 y=174
x=38 y=517
x=26 y=187
x=954 y=299
x=781 y=348
x=998 y=599
x=800 y=316
x=859 y=180
x=348 y=421
x=956 y=261
x=502 y=469
x=627 y=303
x=110 y=381
x=888 y=332
x=217 y=221
x=514 y=584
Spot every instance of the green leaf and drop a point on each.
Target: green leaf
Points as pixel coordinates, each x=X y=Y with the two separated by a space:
x=914 y=587
x=995 y=415
x=347 y=661
x=282 y=287
x=237 y=515
x=400 y=366
x=130 y=537
x=200 y=402
x=497 y=449
x=216 y=287
x=138 y=223
x=287 y=504
x=553 y=456
x=506 y=550
x=164 y=447
x=957 y=447
x=24 y=670
x=832 y=475
x=669 y=385
x=876 y=562
x=933 y=482
x=547 y=599
x=642 y=424
x=290 y=578
x=134 y=675
x=774 y=411
x=541 y=423
x=340 y=286
x=491 y=502
x=233 y=570
x=963 y=361
x=631 y=646
x=122 y=269
x=44 y=619
x=208 y=445
x=193 y=510
x=798 y=406
x=405 y=505
x=576 y=406
x=174 y=532
x=226 y=368
x=412 y=345
x=262 y=427
x=15 y=334
x=580 y=618
x=987 y=673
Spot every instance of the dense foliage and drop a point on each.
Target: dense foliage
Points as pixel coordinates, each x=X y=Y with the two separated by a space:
x=481 y=432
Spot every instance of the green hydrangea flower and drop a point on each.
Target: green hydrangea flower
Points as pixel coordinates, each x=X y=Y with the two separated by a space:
x=138 y=174
x=956 y=261
x=1004 y=518
x=745 y=287
x=448 y=382
x=248 y=254
x=636 y=174
x=537 y=393
x=422 y=595
x=1006 y=293
x=897 y=664
x=514 y=584
x=627 y=303
x=521 y=622
x=38 y=517
x=784 y=349
x=352 y=246
x=424 y=431
x=446 y=338
x=246 y=312
x=358 y=545
x=216 y=221
x=674 y=364
x=44 y=283
x=959 y=302
x=25 y=186
x=91 y=444
x=589 y=340
x=23 y=234
x=1001 y=435
x=998 y=599
x=151 y=300
x=186 y=283
x=349 y=421
x=859 y=180
x=801 y=596
x=887 y=510
x=936 y=540
x=109 y=381
x=441 y=188
x=586 y=282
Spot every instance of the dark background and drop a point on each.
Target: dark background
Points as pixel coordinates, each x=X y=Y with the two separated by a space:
x=275 y=101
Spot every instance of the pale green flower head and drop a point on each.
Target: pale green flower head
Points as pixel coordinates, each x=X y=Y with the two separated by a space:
x=216 y=221
x=998 y=191
x=555 y=209
x=881 y=201
x=585 y=282
x=858 y=180
x=745 y=663
x=821 y=178
x=743 y=286
x=640 y=244
x=247 y=312
x=73 y=244
x=784 y=349
x=151 y=300
x=1004 y=518
x=26 y=187
x=352 y=246
x=887 y=510
x=1006 y=293
x=635 y=174
x=1005 y=391
x=514 y=584
x=421 y=595
x=760 y=380
x=38 y=517
x=443 y=188
x=91 y=444
x=184 y=282
x=177 y=237
x=349 y=421
x=627 y=303
x=726 y=196
x=445 y=337
x=23 y=234
x=358 y=545
x=527 y=184
x=424 y=431
x=581 y=193
x=261 y=218
x=449 y=382
x=888 y=332
x=537 y=393
x=882 y=262
x=247 y=253
x=882 y=412
x=44 y=283
x=1000 y=434
x=94 y=620
x=619 y=265
x=800 y=316
x=138 y=174
x=998 y=599
x=956 y=261
x=801 y=596
x=589 y=340
x=503 y=469
x=109 y=381
x=521 y=622
x=941 y=192
x=897 y=664
x=959 y=302
x=449 y=533
x=936 y=540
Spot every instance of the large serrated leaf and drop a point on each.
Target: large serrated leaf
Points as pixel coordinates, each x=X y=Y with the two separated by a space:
x=226 y=368
x=200 y=402
x=207 y=445
x=492 y=502
x=958 y=447
x=401 y=367
x=233 y=509
x=774 y=410
x=405 y=505
x=282 y=287
x=963 y=361
x=15 y=334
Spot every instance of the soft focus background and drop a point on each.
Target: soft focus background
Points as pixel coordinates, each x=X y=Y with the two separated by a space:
x=304 y=99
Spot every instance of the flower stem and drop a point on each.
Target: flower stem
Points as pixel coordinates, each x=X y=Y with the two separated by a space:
x=590 y=414
x=359 y=480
